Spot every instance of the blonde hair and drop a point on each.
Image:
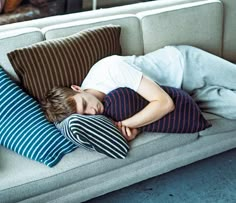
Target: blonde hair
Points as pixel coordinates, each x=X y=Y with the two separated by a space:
x=59 y=103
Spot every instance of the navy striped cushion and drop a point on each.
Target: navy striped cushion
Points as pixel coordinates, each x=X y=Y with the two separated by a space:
x=186 y=118
x=95 y=132
x=25 y=130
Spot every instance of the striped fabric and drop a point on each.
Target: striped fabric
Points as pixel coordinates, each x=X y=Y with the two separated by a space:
x=63 y=61
x=24 y=129
x=95 y=132
x=186 y=118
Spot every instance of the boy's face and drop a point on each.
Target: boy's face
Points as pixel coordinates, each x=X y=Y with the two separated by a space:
x=86 y=103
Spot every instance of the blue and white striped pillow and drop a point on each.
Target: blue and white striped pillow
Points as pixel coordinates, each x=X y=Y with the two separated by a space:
x=25 y=130
x=95 y=132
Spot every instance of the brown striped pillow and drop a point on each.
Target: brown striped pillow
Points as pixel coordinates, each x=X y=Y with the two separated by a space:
x=63 y=61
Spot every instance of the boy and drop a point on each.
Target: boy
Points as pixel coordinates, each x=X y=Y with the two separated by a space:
x=209 y=79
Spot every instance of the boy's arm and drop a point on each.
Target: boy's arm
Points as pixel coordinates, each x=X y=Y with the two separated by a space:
x=160 y=104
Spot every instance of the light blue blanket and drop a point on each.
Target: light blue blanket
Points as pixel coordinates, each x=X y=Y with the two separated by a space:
x=210 y=80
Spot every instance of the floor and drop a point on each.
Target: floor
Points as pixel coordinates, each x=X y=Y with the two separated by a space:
x=212 y=180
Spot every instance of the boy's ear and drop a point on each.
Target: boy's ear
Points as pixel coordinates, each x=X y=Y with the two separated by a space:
x=76 y=88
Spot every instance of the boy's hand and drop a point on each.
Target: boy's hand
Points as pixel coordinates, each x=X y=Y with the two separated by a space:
x=128 y=133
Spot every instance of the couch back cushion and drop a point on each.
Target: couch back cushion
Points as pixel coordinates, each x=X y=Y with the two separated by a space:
x=130 y=38
x=198 y=24
x=229 y=40
x=64 y=61
x=127 y=9
x=14 y=39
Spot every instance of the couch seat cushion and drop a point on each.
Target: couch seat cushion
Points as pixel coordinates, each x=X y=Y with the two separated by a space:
x=76 y=166
x=219 y=125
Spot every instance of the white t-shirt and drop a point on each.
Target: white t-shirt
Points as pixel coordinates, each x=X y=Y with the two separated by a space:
x=110 y=73
x=164 y=66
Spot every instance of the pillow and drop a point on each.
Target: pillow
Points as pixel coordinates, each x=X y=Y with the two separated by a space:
x=122 y=103
x=63 y=61
x=11 y=5
x=95 y=132
x=25 y=130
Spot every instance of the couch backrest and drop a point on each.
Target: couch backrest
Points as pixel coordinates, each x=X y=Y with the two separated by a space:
x=14 y=39
x=127 y=9
x=131 y=34
x=198 y=24
x=229 y=39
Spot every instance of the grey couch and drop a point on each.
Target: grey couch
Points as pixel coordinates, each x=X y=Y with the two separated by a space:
x=82 y=175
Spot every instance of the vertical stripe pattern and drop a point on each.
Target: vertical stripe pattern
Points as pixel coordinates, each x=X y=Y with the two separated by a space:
x=95 y=132
x=122 y=103
x=25 y=130
x=63 y=61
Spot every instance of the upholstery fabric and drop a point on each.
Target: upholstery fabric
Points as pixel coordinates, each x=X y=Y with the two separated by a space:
x=24 y=128
x=64 y=61
x=122 y=103
x=229 y=37
x=165 y=26
x=95 y=132
x=85 y=168
x=219 y=125
x=130 y=32
x=13 y=39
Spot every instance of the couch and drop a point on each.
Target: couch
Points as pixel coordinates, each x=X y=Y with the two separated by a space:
x=82 y=175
